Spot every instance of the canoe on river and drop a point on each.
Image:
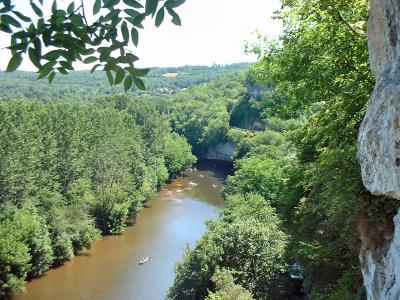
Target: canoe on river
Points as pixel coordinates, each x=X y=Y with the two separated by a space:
x=144 y=260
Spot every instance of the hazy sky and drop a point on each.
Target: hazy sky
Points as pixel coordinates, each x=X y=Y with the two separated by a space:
x=212 y=31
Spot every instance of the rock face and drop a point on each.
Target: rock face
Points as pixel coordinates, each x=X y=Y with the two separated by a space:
x=255 y=91
x=221 y=151
x=381 y=263
x=379 y=150
x=379 y=137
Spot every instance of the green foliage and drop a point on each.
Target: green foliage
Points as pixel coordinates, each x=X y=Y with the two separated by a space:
x=14 y=260
x=86 y=41
x=261 y=174
x=83 y=85
x=201 y=114
x=72 y=170
x=247 y=141
x=244 y=113
x=252 y=246
x=322 y=55
x=25 y=230
x=226 y=289
x=177 y=154
x=319 y=72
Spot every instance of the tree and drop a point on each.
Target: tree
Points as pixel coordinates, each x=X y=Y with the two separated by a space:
x=70 y=171
x=319 y=71
x=226 y=289
x=249 y=244
x=76 y=34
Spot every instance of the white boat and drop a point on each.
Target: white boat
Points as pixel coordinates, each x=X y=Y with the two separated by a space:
x=144 y=260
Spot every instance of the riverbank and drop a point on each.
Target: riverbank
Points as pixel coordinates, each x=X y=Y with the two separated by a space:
x=173 y=218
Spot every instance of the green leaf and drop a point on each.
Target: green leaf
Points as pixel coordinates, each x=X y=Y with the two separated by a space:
x=62 y=71
x=46 y=69
x=175 y=18
x=137 y=21
x=160 y=17
x=131 y=57
x=7 y=6
x=38 y=47
x=132 y=13
x=90 y=59
x=71 y=8
x=95 y=67
x=51 y=76
x=77 y=20
x=36 y=9
x=139 y=83
x=125 y=32
x=137 y=72
x=66 y=65
x=110 y=3
x=151 y=7
x=110 y=77
x=14 y=62
x=88 y=51
x=135 y=36
x=34 y=57
x=54 y=7
x=110 y=16
x=20 y=46
x=133 y=3
x=40 y=24
x=173 y=3
x=119 y=76
x=22 y=17
x=96 y=7
x=5 y=28
x=53 y=54
x=8 y=20
x=128 y=83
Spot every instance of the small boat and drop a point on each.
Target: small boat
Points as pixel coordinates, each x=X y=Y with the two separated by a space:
x=144 y=260
x=201 y=176
x=214 y=186
x=192 y=183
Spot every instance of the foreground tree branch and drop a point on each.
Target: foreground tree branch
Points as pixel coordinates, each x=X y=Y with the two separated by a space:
x=70 y=36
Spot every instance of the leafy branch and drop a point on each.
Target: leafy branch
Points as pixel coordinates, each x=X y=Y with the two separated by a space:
x=68 y=37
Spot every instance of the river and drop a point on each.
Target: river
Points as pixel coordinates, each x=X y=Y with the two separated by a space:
x=173 y=218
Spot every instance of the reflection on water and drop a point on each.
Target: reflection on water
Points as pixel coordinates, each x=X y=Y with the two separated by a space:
x=110 y=270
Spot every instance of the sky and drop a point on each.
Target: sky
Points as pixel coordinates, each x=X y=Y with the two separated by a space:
x=212 y=31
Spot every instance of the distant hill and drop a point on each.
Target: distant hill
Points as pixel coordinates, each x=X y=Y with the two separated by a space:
x=83 y=85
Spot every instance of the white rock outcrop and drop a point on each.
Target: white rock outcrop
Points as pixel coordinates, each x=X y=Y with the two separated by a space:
x=379 y=136
x=381 y=266
x=379 y=150
x=222 y=151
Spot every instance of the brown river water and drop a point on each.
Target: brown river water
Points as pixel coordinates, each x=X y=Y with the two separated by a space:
x=174 y=218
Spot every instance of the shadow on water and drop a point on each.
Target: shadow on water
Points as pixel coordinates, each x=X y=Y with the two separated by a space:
x=221 y=169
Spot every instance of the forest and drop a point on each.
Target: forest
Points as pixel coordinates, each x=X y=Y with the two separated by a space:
x=85 y=85
x=72 y=171
x=296 y=196
x=75 y=169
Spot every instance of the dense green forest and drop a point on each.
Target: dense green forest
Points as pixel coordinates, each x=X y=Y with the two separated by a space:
x=83 y=85
x=295 y=197
x=71 y=171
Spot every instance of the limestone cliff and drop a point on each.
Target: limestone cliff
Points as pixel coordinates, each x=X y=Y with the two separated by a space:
x=379 y=137
x=222 y=151
x=379 y=150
